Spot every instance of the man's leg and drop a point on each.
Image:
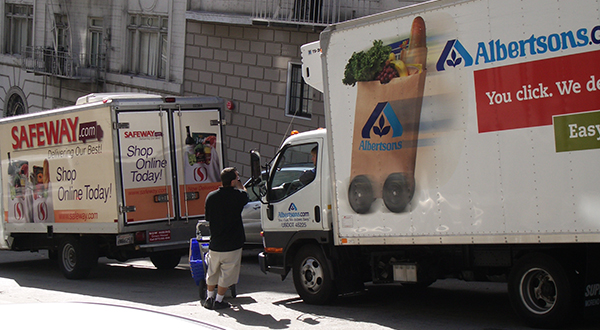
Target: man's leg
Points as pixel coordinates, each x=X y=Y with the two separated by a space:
x=210 y=291
x=212 y=275
x=210 y=297
x=220 y=293
x=230 y=272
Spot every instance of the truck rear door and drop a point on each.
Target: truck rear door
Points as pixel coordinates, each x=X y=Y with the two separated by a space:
x=172 y=154
x=198 y=156
x=146 y=167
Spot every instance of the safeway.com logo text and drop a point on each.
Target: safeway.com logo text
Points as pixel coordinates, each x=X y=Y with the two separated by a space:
x=455 y=54
x=54 y=132
x=142 y=134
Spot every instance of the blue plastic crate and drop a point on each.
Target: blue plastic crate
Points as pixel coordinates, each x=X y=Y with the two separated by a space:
x=197 y=269
x=195 y=250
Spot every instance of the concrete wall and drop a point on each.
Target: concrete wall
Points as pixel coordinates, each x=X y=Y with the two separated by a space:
x=248 y=65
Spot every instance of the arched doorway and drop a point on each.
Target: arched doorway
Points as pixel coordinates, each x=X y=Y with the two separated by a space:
x=15 y=104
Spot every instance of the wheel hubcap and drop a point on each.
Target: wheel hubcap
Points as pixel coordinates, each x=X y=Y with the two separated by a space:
x=69 y=257
x=312 y=275
x=538 y=291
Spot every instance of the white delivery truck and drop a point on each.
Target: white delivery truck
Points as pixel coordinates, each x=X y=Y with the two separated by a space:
x=462 y=141
x=122 y=176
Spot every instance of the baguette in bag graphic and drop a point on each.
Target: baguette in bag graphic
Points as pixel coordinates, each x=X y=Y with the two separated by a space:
x=386 y=127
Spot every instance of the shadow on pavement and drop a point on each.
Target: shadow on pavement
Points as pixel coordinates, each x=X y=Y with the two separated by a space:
x=136 y=280
x=252 y=318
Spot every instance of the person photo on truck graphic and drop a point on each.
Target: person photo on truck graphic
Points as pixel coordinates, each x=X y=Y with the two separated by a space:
x=43 y=210
x=224 y=215
x=20 y=203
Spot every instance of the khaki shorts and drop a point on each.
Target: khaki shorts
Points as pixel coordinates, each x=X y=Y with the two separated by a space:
x=223 y=268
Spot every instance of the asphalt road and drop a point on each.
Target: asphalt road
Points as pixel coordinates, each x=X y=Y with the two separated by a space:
x=263 y=301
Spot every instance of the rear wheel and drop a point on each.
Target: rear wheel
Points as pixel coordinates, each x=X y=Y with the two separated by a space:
x=77 y=256
x=541 y=291
x=202 y=290
x=165 y=260
x=312 y=276
x=418 y=285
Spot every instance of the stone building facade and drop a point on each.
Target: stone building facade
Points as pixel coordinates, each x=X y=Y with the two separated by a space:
x=246 y=52
x=249 y=66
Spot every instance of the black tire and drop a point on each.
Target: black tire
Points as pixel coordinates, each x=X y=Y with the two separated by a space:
x=77 y=257
x=398 y=191
x=541 y=291
x=233 y=290
x=165 y=260
x=418 y=286
x=360 y=194
x=313 y=276
x=202 y=290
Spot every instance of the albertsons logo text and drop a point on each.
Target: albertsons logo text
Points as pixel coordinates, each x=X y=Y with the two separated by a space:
x=456 y=54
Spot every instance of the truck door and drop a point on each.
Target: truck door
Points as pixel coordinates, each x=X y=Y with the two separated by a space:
x=295 y=193
x=168 y=155
x=3 y=243
x=199 y=157
x=146 y=167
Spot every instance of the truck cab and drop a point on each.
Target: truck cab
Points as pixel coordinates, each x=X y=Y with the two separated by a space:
x=297 y=205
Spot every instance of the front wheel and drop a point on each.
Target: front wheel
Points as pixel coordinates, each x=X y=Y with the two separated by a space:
x=541 y=292
x=312 y=276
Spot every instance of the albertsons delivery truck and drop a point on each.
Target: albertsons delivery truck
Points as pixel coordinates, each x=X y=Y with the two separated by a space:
x=462 y=141
x=121 y=176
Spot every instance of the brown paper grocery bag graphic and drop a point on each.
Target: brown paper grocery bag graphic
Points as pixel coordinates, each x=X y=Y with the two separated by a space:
x=386 y=130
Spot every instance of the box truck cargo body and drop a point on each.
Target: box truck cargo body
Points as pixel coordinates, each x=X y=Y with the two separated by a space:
x=462 y=141
x=121 y=176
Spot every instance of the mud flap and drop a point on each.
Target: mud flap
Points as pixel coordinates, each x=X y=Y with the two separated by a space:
x=591 y=289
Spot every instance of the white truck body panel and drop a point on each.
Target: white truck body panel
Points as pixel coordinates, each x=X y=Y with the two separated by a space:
x=110 y=165
x=507 y=141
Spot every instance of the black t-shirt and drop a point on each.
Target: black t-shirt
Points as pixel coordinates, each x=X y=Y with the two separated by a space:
x=224 y=214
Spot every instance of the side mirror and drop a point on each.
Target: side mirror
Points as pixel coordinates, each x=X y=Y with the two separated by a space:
x=255 y=165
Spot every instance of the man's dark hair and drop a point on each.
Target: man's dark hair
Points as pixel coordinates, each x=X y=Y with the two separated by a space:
x=227 y=175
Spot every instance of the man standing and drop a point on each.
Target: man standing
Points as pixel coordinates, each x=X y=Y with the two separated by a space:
x=224 y=214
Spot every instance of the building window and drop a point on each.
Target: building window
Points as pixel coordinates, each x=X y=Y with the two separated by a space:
x=62 y=59
x=62 y=32
x=149 y=35
x=299 y=94
x=18 y=28
x=96 y=54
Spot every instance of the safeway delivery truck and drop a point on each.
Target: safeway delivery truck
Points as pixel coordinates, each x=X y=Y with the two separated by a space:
x=462 y=141
x=121 y=176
